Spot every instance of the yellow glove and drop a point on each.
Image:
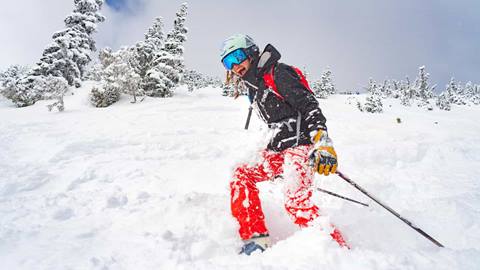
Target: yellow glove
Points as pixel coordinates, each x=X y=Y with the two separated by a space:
x=323 y=157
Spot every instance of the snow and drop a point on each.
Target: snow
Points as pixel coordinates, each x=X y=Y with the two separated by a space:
x=145 y=186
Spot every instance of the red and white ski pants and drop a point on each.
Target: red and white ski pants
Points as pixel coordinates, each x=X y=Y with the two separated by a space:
x=292 y=163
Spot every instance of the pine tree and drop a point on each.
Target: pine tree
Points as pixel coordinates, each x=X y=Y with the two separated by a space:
x=154 y=35
x=422 y=89
x=195 y=80
x=9 y=80
x=24 y=92
x=57 y=88
x=384 y=89
x=405 y=92
x=84 y=19
x=324 y=87
x=57 y=59
x=476 y=95
x=373 y=102
x=109 y=92
x=443 y=101
x=469 y=92
x=118 y=76
x=455 y=92
x=168 y=65
x=69 y=53
x=144 y=53
x=395 y=89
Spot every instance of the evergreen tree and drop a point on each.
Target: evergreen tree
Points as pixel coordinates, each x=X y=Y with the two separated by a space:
x=384 y=90
x=455 y=92
x=154 y=35
x=468 y=92
x=395 y=89
x=324 y=87
x=195 y=80
x=168 y=65
x=109 y=92
x=405 y=92
x=118 y=76
x=175 y=40
x=57 y=88
x=144 y=53
x=373 y=102
x=25 y=91
x=9 y=80
x=476 y=95
x=423 y=88
x=69 y=53
x=443 y=101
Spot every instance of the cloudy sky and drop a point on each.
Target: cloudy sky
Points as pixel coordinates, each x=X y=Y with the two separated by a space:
x=356 y=39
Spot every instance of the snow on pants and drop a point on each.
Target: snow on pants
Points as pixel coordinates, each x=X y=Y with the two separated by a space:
x=292 y=163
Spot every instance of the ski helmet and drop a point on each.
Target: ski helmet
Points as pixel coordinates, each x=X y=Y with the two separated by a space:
x=239 y=41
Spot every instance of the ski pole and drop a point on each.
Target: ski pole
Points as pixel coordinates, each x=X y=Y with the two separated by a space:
x=340 y=196
x=413 y=226
x=248 y=117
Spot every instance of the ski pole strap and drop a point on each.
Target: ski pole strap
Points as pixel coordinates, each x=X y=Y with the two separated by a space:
x=410 y=224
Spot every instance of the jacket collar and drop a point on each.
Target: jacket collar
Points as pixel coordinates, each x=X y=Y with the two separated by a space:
x=262 y=64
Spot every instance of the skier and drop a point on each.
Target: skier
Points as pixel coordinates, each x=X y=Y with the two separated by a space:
x=299 y=146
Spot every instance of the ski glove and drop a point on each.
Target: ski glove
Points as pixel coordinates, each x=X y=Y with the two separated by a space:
x=323 y=158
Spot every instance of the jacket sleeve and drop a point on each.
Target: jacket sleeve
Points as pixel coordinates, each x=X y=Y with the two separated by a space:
x=299 y=97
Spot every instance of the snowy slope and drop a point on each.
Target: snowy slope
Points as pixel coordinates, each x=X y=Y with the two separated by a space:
x=145 y=186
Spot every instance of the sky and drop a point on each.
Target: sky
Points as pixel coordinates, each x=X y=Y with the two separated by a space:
x=357 y=40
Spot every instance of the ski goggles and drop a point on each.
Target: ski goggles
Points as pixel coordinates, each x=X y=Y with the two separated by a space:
x=234 y=58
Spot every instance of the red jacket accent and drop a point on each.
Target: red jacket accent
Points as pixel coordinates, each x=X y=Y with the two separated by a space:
x=269 y=80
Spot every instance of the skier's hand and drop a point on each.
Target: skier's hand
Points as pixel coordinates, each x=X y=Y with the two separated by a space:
x=323 y=158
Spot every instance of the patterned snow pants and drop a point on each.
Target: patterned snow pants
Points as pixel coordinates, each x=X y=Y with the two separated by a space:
x=292 y=163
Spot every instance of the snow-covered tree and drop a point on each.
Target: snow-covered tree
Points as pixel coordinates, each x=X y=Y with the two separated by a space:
x=9 y=80
x=94 y=72
x=422 y=85
x=168 y=65
x=194 y=79
x=118 y=76
x=324 y=87
x=25 y=91
x=105 y=96
x=471 y=94
x=144 y=52
x=405 y=92
x=384 y=90
x=476 y=95
x=228 y=90
x=57 y=88
x=422 y=89
x=69 y=53
x=109 y=92
x=373 y=102
x=154 y=34
x=395 y=87
x=455 y=92
x=443 y=101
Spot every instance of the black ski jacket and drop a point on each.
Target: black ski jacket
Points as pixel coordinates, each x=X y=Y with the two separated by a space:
x=295 y=114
